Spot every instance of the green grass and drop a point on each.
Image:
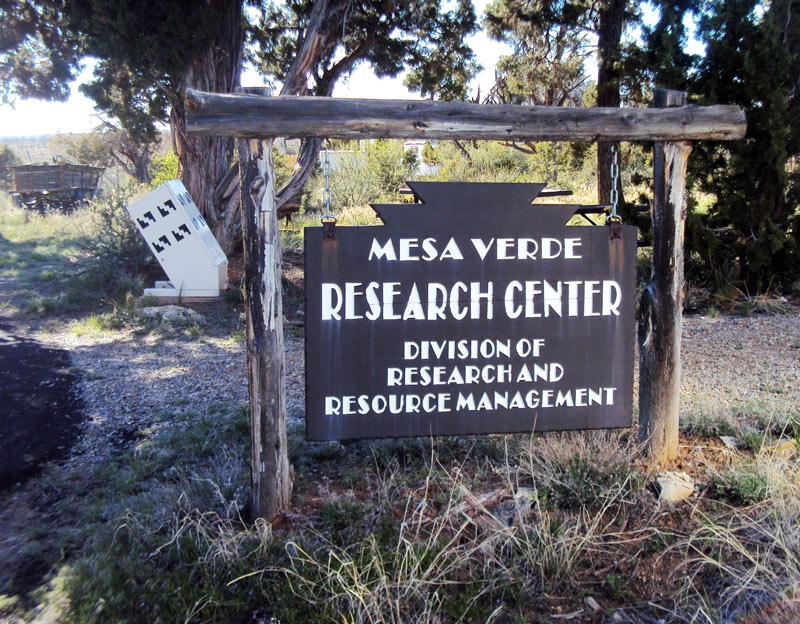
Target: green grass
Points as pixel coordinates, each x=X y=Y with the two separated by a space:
x=708 y=426
x=40 y=250
x=742 y=485
x=292 y=234
x=64 y=264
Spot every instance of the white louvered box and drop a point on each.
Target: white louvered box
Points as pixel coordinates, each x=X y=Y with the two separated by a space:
x=182 y=243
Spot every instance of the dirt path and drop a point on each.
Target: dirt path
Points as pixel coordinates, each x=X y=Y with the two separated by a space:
x=41 y=408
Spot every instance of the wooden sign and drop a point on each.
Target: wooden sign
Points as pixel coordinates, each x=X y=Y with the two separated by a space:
x=471 y=312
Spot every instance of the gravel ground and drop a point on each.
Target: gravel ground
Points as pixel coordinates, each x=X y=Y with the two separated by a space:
x=739 y=366
x=128 y=377
x=732 y=366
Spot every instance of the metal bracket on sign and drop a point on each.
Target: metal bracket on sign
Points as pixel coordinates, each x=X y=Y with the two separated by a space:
x=328 y=228
x=616 y=228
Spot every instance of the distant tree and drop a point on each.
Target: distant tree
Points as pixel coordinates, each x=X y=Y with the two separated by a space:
x=429 y=156
x=552 y=38
x=7 y=159
x=107 y=145
x=89 y=148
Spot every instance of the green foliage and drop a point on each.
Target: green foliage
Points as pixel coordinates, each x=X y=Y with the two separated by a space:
x=39 y=54
x=362 y=176
x=283 y=168
x=442 y=62
x=561 y=165
x=547 y=64
x=90 y=148
x=349 y=183
x=116 y=254
x=429 y=156
x=418 y=35
x=7 y=159
x=164 y=38
x=708 y=426
x=387 y=168
x=164 y=168
x=583 y=470
x=751 y=235
x=741 y=486
x=585 y=481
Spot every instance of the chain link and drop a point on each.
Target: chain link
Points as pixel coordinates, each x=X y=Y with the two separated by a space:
x=326 y=195
x=614 y=179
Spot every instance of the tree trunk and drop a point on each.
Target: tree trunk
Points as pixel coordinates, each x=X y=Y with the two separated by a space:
x=205 y=161
x=661 y=304
x=464 y=153
x=270 y=471
x=143 y=168
x=609 y=36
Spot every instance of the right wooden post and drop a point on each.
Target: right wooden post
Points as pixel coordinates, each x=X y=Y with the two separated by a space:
x=660 y=310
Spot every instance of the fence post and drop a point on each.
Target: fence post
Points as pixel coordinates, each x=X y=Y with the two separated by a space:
x=270 y=472
x=662 y=300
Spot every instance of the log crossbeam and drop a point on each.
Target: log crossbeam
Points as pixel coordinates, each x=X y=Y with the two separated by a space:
x=248 y=116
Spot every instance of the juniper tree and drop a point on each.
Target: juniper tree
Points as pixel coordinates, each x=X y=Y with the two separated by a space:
x=551 y=38
x=308 y=45
x=148 y=54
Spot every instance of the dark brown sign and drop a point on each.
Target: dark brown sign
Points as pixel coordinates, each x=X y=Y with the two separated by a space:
x=472 y=312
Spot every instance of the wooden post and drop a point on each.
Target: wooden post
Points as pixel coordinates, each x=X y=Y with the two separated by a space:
x=270 y=472
x=662 y=300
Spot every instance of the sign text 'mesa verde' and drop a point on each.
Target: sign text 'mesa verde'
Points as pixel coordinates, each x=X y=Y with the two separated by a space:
x=472 y=312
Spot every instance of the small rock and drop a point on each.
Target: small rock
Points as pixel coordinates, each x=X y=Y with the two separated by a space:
x=592 y=604
x=730 y=442
x=784 y=448
x=511 y=512
x=505 y=512
x=674 y=486
x=617 y=617
x=173 y=314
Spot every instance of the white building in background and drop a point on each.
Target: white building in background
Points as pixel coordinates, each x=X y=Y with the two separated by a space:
x=417 y=145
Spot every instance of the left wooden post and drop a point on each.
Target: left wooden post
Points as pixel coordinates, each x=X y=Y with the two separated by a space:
x=269 y=461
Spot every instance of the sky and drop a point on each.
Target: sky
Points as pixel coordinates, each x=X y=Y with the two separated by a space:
x=34 y=117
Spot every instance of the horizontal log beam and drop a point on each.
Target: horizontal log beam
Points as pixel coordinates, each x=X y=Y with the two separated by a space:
x=248 y=116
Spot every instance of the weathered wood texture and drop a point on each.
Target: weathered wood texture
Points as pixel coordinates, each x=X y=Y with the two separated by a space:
x=270 y=472
x=205 y=161
x=250 y=116
x=661 y=304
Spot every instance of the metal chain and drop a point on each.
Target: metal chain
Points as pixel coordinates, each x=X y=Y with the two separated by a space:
x=614 y=180
x=326 y=195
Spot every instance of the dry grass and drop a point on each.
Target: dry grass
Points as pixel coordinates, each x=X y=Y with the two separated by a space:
x=739 y=560
x=466 y=551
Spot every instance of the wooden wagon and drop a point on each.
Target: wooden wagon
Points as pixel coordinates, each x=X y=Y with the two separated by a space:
x=63 y=186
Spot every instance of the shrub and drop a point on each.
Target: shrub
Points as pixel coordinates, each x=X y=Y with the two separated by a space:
x=117 y=256
x=583 y=469
x=163 y=169
x=741 y=486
